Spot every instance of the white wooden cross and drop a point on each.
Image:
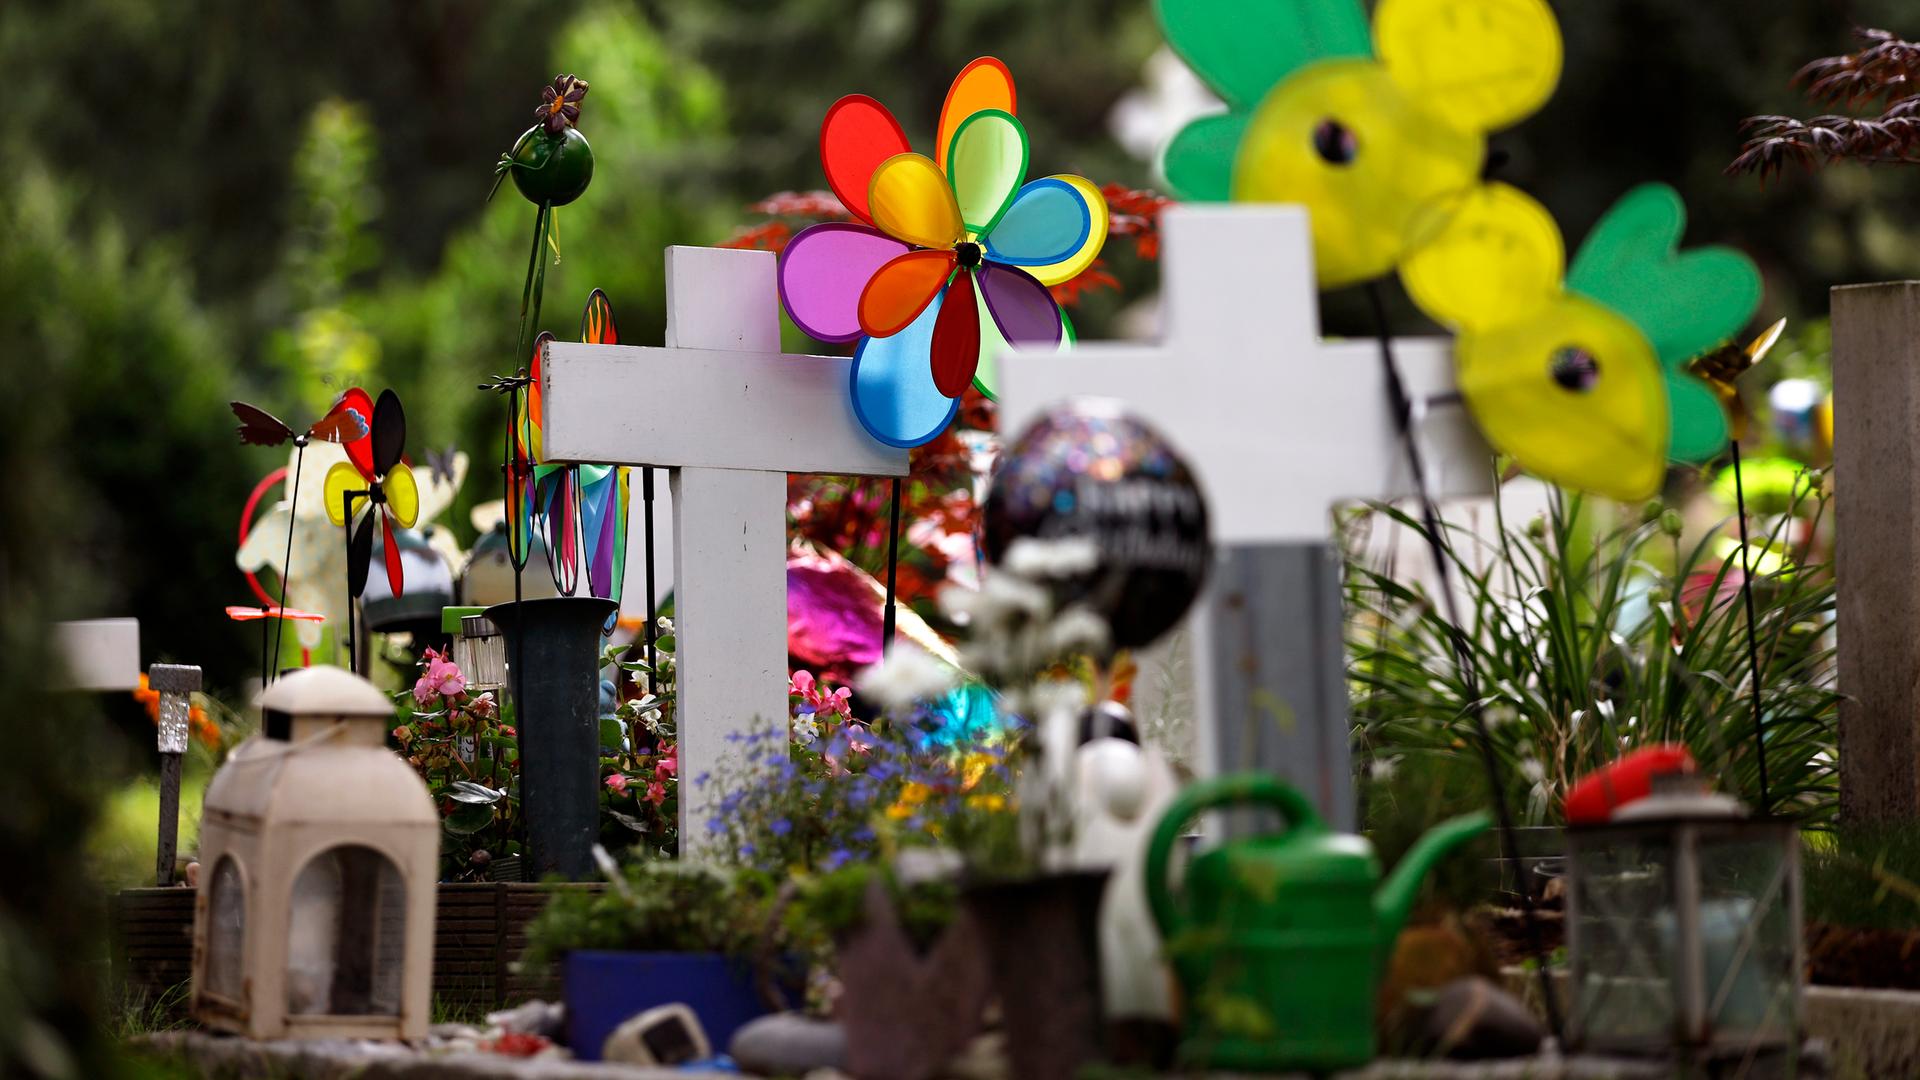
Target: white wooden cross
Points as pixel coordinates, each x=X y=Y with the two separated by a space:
x=1280 y=426
x=730 y=416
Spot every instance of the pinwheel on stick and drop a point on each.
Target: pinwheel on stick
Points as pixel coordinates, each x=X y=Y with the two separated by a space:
x=347 y=422
x=373 y=473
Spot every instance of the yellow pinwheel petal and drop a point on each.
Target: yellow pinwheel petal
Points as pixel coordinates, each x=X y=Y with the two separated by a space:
x=1479 y=64
x=1099 y=220
x=342 y=478
x=403 y=495
x=1488 y=255
x=911 y=201
x=1574 y=394
x=1361 y=155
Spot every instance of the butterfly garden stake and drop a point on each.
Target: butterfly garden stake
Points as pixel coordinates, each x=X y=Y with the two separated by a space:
x=375 y=474
x=346 y=422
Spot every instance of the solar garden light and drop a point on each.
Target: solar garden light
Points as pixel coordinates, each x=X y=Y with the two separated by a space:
x=176 y=684
x=1683 y=921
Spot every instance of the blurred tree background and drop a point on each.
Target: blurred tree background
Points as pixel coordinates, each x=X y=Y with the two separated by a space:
x=209 y=199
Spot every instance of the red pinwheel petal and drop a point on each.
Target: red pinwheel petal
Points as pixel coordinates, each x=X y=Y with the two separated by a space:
x=956 y=338
x=396 y=580
x=856 y=136
x=359 y=451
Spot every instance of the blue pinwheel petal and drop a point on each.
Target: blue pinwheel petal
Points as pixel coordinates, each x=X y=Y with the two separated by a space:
x=1046 y=224
x=894 y=396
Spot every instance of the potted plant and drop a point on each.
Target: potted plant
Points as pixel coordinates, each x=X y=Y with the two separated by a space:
x=664 y=933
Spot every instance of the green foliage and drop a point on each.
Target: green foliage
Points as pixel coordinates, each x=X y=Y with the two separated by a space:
x=1863 y=876
x=1593 y=633
x=833 y=903
x=657 y=906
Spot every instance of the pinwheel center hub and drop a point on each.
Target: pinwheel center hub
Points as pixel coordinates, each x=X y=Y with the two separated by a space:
x=968 y=253
x=375 y=494
x=1335 y=142
x=1574 y=368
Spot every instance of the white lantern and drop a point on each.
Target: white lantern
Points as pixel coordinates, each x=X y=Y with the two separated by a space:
x=320 y=855
x=1683 y=923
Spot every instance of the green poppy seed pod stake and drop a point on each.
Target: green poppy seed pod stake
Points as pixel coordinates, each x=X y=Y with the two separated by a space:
x=551 y=164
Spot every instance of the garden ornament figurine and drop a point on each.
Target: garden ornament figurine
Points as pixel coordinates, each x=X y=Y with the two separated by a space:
x=1119 y=789
x=1279 y=940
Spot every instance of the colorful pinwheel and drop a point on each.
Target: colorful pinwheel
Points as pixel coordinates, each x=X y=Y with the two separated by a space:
x=373 y=472
x=1373 y=133
x=1581 y=376
x=566 y=505
x=950 y=260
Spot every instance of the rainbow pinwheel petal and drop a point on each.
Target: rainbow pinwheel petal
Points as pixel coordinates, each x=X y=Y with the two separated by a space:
x=894 y=396
x=824 y=270
x=954 y=353
x=902 y=289
x=1049 y=227
x=1022 y=308
x=912 y=201
x=983 y=85
x=986 y=165
x=857 y=135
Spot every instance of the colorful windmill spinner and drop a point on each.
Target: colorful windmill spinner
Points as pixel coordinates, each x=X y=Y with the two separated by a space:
x=1370 y=132
x=951 y=258
x=1581 y=376
x=374 y=472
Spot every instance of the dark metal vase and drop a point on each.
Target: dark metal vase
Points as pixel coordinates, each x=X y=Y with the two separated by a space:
x=1043 y=943
x=553 y=662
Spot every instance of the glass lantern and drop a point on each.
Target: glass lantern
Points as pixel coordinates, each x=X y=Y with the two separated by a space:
x=1683 y=928
x=481 y=653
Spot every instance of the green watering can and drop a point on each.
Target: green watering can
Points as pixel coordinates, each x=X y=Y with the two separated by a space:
x=1279 y=941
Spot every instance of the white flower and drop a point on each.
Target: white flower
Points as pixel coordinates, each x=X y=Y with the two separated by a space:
x=666 y=626
x=651 y=718
x=641 y=680
x=1382 y=769
x=905 y=677
x=1040 y=560
x=1532 y=770
x=805 y=729
x=1077 y=630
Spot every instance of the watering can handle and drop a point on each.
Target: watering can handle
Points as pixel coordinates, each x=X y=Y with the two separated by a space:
x=1236 y=789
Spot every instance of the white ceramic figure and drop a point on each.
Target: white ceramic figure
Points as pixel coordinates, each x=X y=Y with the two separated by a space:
x=1119 y=790
x=317 y=577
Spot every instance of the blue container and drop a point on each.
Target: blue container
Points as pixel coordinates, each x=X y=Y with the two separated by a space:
x=605 y=989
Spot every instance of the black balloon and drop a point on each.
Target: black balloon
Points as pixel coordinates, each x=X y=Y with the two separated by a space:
x=1088 y=469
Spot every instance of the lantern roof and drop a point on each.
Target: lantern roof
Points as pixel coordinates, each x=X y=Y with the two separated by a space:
x=325 y=690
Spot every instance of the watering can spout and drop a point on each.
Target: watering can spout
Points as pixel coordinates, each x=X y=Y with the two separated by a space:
x=1393 y=901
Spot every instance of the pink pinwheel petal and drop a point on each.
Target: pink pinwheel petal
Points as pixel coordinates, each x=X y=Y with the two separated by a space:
x=824 y=270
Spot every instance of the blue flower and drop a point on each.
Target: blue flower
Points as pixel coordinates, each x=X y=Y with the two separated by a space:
x=865 y=835
x=780 y=827
x=836 y=859
x=716 y=824
x=703 y=778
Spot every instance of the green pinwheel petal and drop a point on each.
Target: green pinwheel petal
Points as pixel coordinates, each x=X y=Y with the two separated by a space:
x=1242 y=48
x=1684 y=302
x=1199 y=161
x=1697 y=422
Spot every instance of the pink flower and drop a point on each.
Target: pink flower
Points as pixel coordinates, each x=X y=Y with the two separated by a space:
x=839 y=702
x=445 y=678
x=618 y=782
x=656 y=793
x=802 y=682
x=423 y=692
x=667 y=763
x=484 y=706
